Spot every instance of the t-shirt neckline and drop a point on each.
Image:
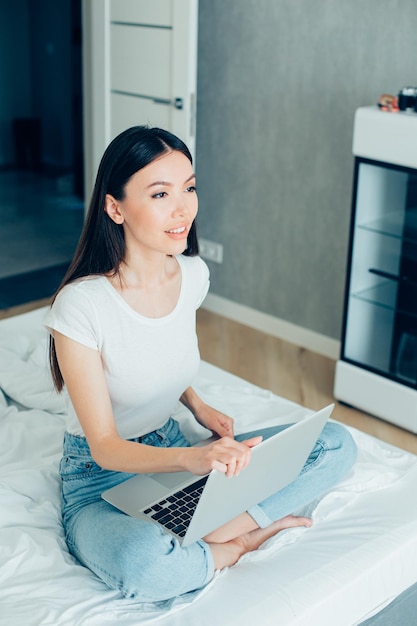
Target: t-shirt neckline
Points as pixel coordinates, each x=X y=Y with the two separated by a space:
x=151 y=320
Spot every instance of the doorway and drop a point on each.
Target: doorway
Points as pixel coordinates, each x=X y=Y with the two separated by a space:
x=41 y=146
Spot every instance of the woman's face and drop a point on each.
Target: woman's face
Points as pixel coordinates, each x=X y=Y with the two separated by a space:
x=159 y=206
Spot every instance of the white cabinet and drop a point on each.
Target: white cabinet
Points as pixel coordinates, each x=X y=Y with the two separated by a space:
x=377 y=369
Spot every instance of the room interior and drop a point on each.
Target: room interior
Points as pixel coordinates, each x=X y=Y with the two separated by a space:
x=298 y=233
x=274 y=182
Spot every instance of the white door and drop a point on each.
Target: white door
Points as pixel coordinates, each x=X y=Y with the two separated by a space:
x=140 y=67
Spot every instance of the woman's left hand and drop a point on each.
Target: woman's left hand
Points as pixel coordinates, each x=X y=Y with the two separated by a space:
x=214 y=420
x=206 y=415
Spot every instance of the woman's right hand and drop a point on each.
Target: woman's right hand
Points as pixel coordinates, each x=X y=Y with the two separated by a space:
x=224 y=455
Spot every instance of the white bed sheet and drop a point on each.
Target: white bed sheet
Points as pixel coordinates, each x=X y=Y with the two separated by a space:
x=359 y=555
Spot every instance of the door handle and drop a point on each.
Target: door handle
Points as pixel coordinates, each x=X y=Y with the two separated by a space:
x=178 y=103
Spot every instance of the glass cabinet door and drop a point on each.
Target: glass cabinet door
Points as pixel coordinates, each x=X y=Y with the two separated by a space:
x=380 y=321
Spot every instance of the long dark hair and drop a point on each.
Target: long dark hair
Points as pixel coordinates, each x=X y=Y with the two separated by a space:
x=101 y=248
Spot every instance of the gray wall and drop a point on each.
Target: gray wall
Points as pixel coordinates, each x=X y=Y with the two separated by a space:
x=278 y=85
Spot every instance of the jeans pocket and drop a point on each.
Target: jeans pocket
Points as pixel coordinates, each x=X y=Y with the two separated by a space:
x=170 y=435
x=74 y=467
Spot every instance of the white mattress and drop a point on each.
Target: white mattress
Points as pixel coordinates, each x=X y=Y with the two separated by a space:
x=359 y=555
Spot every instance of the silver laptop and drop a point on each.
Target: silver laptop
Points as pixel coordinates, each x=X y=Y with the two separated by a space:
x=189 y=506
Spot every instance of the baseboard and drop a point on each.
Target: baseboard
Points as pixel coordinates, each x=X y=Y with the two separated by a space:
x=308 y=339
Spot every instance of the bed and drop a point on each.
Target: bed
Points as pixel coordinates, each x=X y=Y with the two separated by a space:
x=356 y=565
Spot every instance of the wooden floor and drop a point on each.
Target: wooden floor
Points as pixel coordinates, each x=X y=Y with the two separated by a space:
x=287 y=370
x=24 y=308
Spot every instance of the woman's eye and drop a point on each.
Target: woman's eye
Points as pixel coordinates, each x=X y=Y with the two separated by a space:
x=191 y=189
x=161 y=194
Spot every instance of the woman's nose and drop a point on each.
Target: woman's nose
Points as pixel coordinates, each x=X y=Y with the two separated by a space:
x=180 y=208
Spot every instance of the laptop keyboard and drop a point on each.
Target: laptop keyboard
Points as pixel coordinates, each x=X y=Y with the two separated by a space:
x=175 y=511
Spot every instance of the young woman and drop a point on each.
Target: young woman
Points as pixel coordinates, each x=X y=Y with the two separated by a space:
x=123 y=342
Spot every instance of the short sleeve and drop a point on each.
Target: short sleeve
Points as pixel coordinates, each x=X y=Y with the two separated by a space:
x=73 y=315
x=205 y=282
x=197 y=276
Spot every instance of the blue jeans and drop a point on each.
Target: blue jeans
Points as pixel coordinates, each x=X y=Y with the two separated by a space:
x=135 y=556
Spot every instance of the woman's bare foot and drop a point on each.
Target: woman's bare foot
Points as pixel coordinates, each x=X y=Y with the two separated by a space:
x=252 y=540
x=228 y=553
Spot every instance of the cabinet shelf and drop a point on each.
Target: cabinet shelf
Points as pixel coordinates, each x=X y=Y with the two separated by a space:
x=383 y=295
x=392 y=225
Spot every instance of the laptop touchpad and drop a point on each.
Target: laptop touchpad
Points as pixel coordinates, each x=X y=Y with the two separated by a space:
x=172 y=479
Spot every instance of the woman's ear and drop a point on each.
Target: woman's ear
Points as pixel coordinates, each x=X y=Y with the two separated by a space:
x=111 y=207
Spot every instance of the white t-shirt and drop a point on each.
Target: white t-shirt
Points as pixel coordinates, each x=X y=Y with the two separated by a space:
x=148 y=363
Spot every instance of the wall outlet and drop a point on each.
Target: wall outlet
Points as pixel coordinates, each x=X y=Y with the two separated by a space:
x=211 y=251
